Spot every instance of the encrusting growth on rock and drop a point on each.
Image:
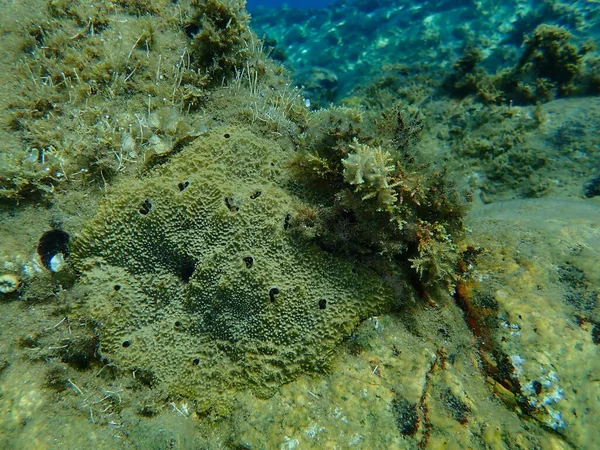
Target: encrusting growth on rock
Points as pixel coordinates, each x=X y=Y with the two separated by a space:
x=189 y=291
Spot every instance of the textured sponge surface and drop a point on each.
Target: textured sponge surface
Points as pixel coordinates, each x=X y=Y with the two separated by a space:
x=196 y=281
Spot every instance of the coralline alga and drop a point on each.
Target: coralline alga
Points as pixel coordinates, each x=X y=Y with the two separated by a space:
x=194 y=280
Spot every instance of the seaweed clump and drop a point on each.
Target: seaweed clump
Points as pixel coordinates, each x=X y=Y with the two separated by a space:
x=376 y=201
x=551 y=65
x=220 y=36
x=550 y=55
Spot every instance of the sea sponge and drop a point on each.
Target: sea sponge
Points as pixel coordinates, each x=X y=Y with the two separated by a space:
x=196 y=282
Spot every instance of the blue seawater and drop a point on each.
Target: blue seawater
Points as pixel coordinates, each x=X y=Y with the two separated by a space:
x=298 y=4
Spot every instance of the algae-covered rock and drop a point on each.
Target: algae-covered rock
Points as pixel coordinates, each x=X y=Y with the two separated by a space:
x=195 y=281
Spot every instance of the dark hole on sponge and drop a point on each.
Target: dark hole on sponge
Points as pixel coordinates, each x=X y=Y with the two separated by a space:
x=256 y=195
x=117 y=287
x=183 y=185
x=273 y=292
x=145 y=208
x=186 y=270
x=249 y=261
x=231 y=204
x=51 y=243
x=323 y=303
x=126 y=344
x=178 y=324
x=286 y=221
x=196 y=361
x=226 y=135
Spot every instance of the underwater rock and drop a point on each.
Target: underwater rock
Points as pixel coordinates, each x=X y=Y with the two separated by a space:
x=208 y=298
x=541 y=347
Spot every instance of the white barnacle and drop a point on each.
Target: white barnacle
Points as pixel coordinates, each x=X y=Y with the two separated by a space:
x=9 y=283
